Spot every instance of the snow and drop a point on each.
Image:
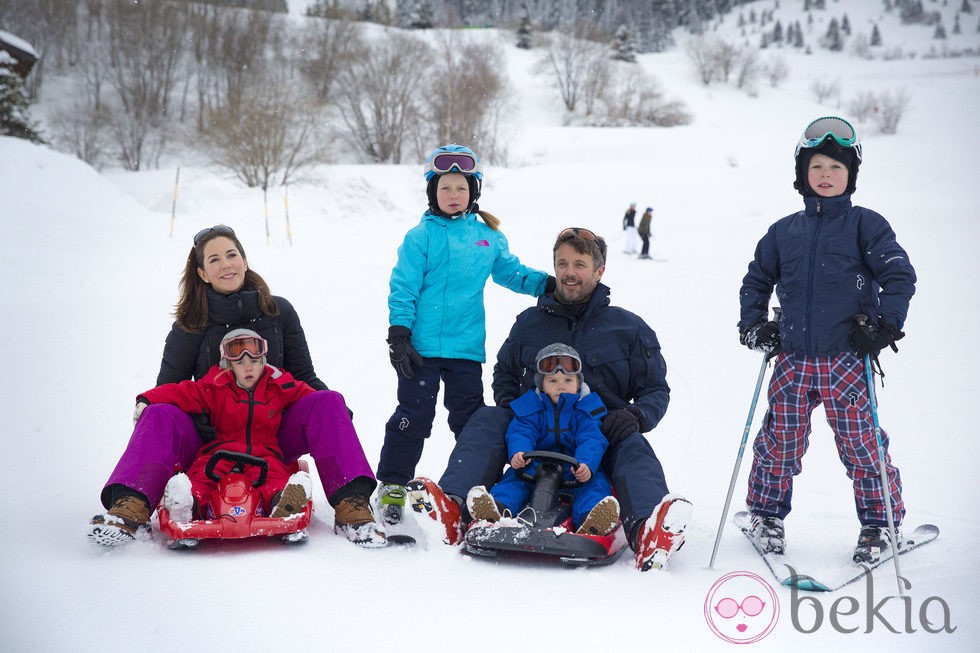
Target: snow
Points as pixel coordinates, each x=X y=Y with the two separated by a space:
x=92 y=271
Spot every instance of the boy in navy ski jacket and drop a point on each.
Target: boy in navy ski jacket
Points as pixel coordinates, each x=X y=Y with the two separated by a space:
x=827 y=264
x=561 y=415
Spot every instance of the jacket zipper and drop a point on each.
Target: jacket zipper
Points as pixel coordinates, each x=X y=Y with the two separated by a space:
x=248 y=423
x=809 y=281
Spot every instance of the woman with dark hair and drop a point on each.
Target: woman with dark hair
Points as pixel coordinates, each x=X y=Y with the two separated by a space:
x=219 y=293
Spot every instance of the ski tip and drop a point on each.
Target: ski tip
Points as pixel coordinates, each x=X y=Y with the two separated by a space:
x=805 y=583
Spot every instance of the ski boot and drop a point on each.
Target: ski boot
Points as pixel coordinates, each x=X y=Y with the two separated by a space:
x=770 y=534
x=873 y=542
x=427 y=498
x=662 y=533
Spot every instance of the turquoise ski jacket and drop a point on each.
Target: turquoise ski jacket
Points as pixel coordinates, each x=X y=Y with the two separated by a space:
x=436 y=286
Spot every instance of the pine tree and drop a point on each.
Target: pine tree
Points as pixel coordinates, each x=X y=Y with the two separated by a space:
x=525 y=36
x=845 y=25
x=956 y=24
x=966 y=8
x=940 y=32
x=875 y=36
x=777 y=32
x=833 y=40
x=15 y=119
x=624 y=45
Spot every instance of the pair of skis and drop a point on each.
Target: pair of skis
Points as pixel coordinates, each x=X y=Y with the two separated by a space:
x=788 y=573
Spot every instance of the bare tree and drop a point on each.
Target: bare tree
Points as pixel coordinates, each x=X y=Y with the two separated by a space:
x=891 y=108
x=571 y=59
x=145 y=39
x=328 y=45
x=466 y=95
x=863 y=105
x=268 y=137
x=81 y=129
x=776 y=70
x=378 y=95
x=636 y=98
x=702 y=51
x=823 y=89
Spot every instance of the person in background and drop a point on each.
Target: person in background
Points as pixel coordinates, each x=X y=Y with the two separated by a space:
x=629 y=226
x=644 y=231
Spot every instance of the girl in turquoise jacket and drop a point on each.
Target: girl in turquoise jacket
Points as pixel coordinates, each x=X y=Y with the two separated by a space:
x=435 y=309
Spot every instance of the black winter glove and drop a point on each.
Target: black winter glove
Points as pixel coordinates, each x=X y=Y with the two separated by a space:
x=400 y=350
x=763 y=336
x=550 y=285
x=870 y=339
x=202 y=422
x=622 y=422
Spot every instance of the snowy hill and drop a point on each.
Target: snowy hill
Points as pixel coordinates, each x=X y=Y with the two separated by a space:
x=92 y=271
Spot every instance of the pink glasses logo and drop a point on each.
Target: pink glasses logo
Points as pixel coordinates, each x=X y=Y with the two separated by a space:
x=741 y=608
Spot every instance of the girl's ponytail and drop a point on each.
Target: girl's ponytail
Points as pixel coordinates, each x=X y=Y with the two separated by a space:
x=492 y=221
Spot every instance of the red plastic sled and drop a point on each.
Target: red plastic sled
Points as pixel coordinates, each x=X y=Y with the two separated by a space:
x=234 y=504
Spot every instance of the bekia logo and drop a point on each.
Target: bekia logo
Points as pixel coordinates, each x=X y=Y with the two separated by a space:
x=741 y=608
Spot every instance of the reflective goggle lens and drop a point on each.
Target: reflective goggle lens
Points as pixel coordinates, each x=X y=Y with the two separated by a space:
x=457 y=162
x=581 y=232
x=235 y=350
x=568 y=364
x=218 y=230
x=837 y=128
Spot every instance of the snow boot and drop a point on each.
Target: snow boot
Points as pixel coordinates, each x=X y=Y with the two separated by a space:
x=354 y=519
x=294 y=497
x=770 y=533
x=119 y=524
x=873 y=541
x=426 y=497
x=178 y=500
x=662 y=533
x=482 y=505
x=392 y=500
x=602 y=519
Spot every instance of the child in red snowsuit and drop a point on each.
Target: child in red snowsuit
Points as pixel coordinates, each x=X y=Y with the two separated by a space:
x=244 y=399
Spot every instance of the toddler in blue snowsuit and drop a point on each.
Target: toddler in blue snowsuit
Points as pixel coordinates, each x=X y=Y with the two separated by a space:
x=563 y=416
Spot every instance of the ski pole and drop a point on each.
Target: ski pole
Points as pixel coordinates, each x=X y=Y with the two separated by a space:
x=777 y=313
x=862 y=319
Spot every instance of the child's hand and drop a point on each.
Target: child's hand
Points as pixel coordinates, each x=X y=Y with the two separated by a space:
x=518 y=460
x=582 y=473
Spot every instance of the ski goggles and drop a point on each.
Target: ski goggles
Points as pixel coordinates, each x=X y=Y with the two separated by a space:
x=584 y=234
x=217 y=230
x=751 y=606
x=831 y=126
x=237 y=348
x=454 y=162
x=559 y=363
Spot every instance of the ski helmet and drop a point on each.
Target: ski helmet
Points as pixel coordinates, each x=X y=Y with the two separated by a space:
x=555 y=357
x=453 y=158
x=238 y=343
x=833 y=137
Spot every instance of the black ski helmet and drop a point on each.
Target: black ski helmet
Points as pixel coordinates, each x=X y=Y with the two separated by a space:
x=833 y=137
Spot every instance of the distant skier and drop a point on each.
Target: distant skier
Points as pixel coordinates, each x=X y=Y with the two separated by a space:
x=827 y=263
x=629 y=226
x=644 y=231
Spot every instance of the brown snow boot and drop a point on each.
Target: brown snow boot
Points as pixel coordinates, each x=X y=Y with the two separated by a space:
x=119 y=524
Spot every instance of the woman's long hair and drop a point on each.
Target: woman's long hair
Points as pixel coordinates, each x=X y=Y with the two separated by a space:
x=492 y=221
x=191 y=311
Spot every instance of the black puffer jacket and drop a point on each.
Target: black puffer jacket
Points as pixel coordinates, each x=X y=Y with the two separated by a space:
x=191 y=355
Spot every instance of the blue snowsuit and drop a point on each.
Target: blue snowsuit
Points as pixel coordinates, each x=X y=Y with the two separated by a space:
x=437 y=292
x=570 y=427
x=621 y=359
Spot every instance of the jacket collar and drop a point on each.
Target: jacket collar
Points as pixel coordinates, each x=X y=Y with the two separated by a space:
x=237 y=308
x=598 y=301
x=827 y=207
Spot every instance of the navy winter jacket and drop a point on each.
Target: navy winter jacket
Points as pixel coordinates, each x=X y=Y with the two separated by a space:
x=621 y=356
x=191 y=355
x=827 y=263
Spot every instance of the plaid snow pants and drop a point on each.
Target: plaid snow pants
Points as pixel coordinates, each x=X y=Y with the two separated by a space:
x=799 y=384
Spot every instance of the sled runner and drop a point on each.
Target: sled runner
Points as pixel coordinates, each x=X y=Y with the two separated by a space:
x=234 y=504
x=544 y=527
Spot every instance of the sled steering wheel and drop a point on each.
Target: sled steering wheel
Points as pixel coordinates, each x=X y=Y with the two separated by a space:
x=239 y=461
x=550 y=459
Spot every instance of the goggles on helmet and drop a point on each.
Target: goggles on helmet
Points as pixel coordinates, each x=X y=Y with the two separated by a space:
x=454 y=162
x=237 y=348
x=559 y=363
x=818 y=131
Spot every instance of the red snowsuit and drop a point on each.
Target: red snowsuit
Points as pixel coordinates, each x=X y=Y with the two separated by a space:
x=245 y=421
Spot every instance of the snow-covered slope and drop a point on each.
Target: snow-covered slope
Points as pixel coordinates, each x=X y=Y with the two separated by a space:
x=91 y=274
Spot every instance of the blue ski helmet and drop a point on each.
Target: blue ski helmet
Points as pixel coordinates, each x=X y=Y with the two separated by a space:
x=453 y=158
